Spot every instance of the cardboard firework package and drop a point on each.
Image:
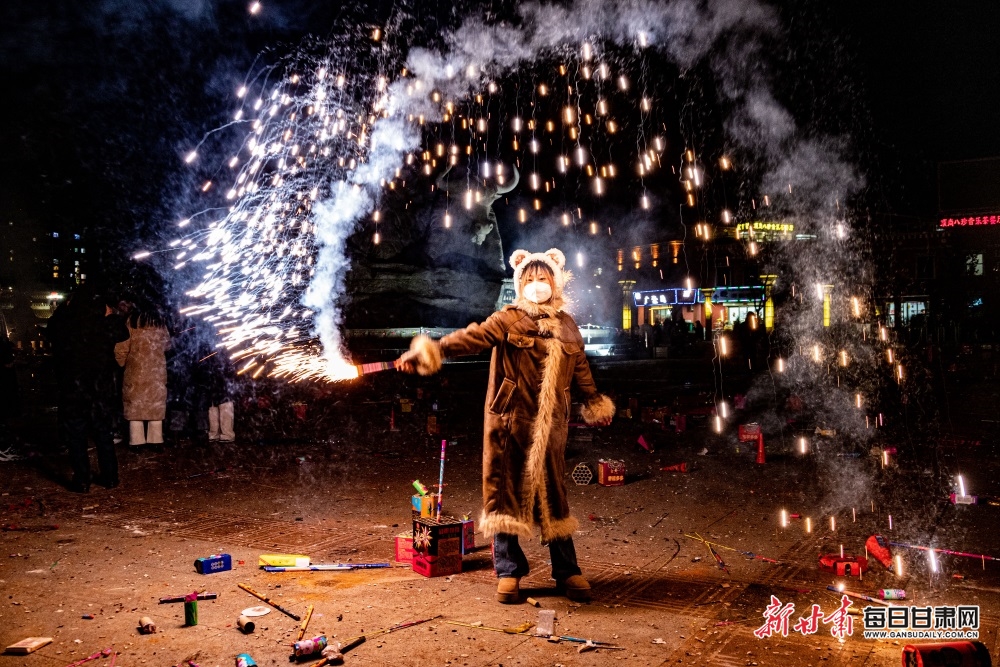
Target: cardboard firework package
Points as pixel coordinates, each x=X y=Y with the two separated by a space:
x=437 y=546
x=748 y=432
x=610 y=472
x=404 y=548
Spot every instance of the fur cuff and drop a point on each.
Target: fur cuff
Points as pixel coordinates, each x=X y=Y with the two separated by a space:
x=559 y=529
x=491 y=524
x=428 y=354
x=599 y=408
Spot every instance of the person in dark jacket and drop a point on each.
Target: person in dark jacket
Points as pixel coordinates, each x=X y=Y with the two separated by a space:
x=538 y=356
x=83 y=332
x=214 y=377
x=9 y=403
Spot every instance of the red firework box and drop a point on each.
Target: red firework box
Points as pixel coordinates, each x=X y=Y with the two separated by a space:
x=748 y=432
x=610 y=472
x=404 y=548
x=437 y=546
x=843 y=566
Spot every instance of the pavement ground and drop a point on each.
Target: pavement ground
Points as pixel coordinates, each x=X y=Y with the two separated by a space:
x=343 y=497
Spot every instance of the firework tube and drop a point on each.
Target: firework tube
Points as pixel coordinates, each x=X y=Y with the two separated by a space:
x=308 y=568
x=100 y=654
x=860 y=596
x=444 y=444
x=305 y=623
x=268 y=601
x=949 y=552
x=376 y=367
x=308 y=647
x=326 y=567
x=180 y=598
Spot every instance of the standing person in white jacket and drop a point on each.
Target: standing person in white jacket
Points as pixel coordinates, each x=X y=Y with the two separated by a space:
x=144 y=387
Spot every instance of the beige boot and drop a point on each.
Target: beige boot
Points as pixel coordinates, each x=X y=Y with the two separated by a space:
x=576 y=588
x=508 y=590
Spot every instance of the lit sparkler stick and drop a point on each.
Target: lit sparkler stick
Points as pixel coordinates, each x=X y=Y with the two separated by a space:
x=961 y=486
x=947 y=552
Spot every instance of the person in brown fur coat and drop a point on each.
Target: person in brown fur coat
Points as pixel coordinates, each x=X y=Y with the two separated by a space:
x=538 y=357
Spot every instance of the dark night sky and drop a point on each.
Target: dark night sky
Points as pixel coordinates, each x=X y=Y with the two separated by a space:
x=78 y=97
x=931 y=73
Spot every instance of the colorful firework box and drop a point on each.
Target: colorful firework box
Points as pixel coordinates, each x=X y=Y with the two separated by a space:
x=610 y=472
x=468 y=536
x=423 y=505
x=437 y=546
x=404 y=547
x=749 y=432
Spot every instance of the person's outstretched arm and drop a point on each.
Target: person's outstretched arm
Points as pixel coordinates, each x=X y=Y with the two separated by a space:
x=425 y=355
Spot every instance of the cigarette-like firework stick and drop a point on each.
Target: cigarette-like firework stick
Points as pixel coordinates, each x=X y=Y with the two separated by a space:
x=376 y=367
x=518 y=631
x=943 y=551
x=860 y=596
x=268 y=601
x=180 y=598
x=360 y=639
x=506 y=631
x=444 y=443
x=94 y=656
x=354 y=643
x=305 y=623
x=748 y=554
x=114 y=657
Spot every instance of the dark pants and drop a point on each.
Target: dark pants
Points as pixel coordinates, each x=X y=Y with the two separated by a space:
x=77 y=420
x=509 y=560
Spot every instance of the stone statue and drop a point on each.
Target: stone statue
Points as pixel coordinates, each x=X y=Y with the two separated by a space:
x=481 y=221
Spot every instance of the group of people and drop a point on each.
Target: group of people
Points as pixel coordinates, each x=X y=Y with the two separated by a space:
x=538 y=358
x=112 y=361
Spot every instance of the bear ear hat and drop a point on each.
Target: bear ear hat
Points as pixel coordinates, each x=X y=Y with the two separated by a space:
x=557 y=256
x=518 y=256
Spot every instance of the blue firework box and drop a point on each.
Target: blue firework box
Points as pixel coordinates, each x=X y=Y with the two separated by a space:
x=214 y=563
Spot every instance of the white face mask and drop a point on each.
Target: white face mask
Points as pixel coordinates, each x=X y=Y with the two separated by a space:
x=537 y=292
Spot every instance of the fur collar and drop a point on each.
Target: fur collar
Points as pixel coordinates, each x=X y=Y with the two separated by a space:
x=546 y=314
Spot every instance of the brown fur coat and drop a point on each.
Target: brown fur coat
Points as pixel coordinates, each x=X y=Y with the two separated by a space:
x=144 y=387
x=537 y=357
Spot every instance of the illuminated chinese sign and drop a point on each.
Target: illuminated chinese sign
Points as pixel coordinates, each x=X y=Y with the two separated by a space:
x=763 y=231
x=977 y=221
